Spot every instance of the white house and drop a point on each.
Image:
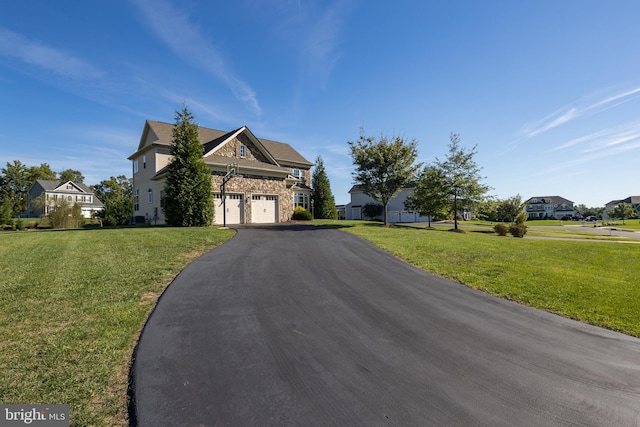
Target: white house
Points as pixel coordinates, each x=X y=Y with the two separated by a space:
x=554 y=207
x=52 y=191
x=634 y=201
x=396 y=212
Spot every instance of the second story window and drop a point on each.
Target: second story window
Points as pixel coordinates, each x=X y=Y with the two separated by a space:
x=144 y=161
x=150 y=196
x=135 y=166
x=243 y=151
x=297 y=173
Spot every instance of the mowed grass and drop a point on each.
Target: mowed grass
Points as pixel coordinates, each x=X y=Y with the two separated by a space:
x=72 y=304
x=594 y=282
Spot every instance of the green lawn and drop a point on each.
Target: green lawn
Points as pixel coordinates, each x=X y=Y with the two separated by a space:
x=72 y=305
x=595 y=282
x=72 y=302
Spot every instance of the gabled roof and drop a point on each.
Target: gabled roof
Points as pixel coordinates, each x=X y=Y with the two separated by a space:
x=555 y=200
x=55 y=185
x=246 y=132
x=359 y=188
x=160 y=133
x=632 y=200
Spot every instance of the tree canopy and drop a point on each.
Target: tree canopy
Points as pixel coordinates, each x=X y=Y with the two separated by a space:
x=623 y=211
x=428 y=198
x=459 y=178
x=324 y=205
x=117 y=196
x=188 y=199
x=384 y=166
x=16 y=179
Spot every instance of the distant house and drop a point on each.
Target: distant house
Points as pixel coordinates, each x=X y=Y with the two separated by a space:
x=52 y=191
x=396 y=212
x=631 y=200
x=549 y=207
x=273 y=179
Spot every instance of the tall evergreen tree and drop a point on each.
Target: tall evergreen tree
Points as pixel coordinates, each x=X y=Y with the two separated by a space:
x=324 y=205
x=188 y=199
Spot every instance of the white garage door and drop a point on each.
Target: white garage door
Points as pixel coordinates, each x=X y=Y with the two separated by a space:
x=264 y=209
x=233 y=207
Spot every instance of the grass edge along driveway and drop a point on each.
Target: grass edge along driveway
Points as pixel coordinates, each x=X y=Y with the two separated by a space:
x=593 y=282
x=73 y=302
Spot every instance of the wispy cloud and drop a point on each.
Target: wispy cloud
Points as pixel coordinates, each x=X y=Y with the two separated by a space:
x=185 y=39
x=567 y=114
x=603 y=139
x=45 y=57
x=319 y=51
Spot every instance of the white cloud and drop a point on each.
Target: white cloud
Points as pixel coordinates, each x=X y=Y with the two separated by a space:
x=565 y=115
x=45 y=57
x=185 y=39
x=319 y=50
x=604 y=139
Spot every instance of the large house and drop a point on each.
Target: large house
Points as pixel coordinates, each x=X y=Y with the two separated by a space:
x=549 y=207
x=631 y=200
x=396 y=212
x=272 y=179
x=44 y=194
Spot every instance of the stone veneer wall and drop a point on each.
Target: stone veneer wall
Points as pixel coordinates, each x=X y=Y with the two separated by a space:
x=249 y=185
x=232 y=149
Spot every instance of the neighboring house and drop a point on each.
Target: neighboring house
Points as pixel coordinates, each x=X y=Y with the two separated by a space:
x=631 y=200
x=56 y=190
x=396 y=212
x=553 y=207
x=273 y=177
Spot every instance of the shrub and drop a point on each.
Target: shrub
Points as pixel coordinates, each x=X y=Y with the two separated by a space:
x=521 y=218
x=518 y=230
x=501 y=229
x=372 y=210
x=300 y=213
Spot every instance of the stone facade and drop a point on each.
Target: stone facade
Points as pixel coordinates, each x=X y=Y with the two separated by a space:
x=262 y=185
x=267 y=168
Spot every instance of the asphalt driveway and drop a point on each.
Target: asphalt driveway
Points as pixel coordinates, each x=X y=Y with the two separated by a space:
x=296 y=325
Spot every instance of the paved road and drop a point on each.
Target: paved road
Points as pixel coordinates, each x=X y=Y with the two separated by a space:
x=294 y=325
x=589 y=228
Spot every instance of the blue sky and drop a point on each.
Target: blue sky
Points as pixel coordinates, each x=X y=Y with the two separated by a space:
x=549 y=91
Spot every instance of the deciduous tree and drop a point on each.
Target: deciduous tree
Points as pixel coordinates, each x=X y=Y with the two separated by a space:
x=623 y=211
x=14 y=184
x=383 y=166
x=460 y=178
x=188 y=199
x=72 y=175
x=117 y=196
x=428 y=198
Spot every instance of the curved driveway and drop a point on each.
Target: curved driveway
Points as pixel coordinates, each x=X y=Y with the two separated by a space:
x=296 y=325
